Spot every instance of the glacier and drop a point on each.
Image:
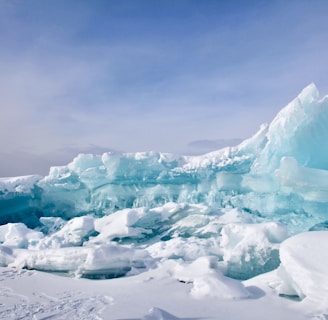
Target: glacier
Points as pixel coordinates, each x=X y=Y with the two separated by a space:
x=114 y=215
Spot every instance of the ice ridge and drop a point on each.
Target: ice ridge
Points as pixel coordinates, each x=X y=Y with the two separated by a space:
x=274 y=183
x=251 y=176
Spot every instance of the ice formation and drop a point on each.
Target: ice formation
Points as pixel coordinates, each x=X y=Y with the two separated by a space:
x=114 y=214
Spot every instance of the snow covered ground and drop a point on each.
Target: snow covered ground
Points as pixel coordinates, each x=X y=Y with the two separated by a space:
x=175 y=290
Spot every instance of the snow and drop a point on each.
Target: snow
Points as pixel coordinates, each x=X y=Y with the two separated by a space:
x=159 y=293
x=303 y=269
x=208 y=281
x=150 y=235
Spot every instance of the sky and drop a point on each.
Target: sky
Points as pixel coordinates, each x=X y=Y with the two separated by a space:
x=181 y=76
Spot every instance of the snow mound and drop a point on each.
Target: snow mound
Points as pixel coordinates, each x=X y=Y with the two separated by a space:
x=303 y=269
x=208 y=281
x=158 y=314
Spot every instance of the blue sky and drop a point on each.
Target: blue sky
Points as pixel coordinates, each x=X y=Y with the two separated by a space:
x=136 y=75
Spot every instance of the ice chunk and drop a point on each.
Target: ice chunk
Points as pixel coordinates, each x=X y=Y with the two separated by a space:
x=168 y=221
x=251 y=249
x=311 y=184
x=188 y=249
x=51 y=224
x=105 y=261
x=119 y=225
x=303 y=270
x=74 y=233
x=208 y=280
x=17 y=235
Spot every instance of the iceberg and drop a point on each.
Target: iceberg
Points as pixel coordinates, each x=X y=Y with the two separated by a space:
x=119 y=214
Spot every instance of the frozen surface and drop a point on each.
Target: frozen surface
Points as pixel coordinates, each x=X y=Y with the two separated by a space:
x=198 y=226
x=174 y=290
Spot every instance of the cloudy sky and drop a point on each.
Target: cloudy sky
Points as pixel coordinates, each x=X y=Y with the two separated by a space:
x=180 y=76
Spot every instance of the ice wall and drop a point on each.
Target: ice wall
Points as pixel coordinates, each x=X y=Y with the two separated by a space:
x=282 y=168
